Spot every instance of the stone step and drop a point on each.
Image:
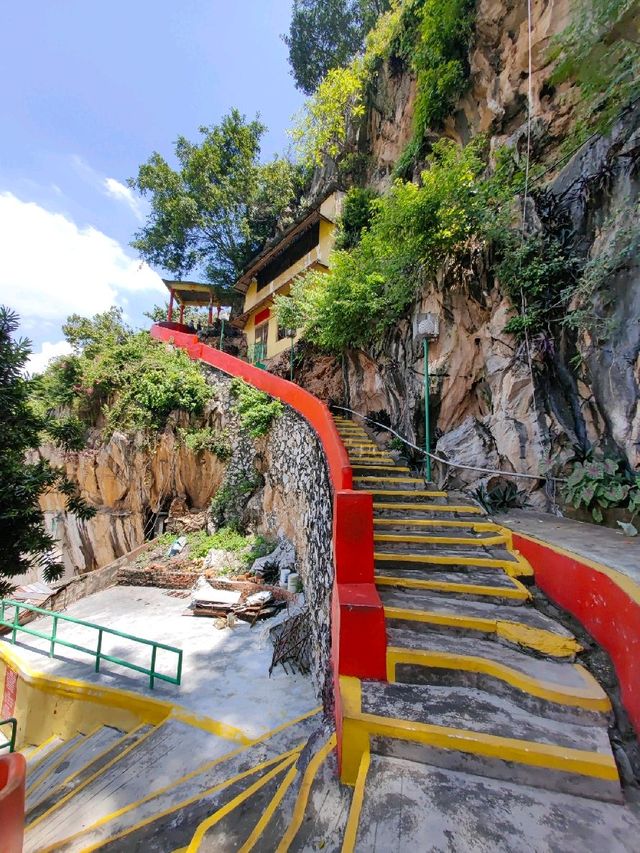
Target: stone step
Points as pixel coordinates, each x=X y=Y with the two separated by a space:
x=207 y=814
x=290 y=810
x=553 y=688
x=73 y=760
x=460 y=560
x=437 y=539
x=390 y=508
x=476 y=584
x=461 y=728
x=64 y=791
x=373 y=482
x=408 y=807
x=380 y=470
x=521 y=626
x=167 y=752
x=471 y=529
x=394 y=495
x=156 y=813
x=380 y=458
x=235 y=829
x=44 y=768
x=326 y=813
x=41 y=751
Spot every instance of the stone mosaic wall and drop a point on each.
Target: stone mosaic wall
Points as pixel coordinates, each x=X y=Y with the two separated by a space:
x=279 y=485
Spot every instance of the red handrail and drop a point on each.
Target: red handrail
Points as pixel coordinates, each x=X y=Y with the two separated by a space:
x=313 y=410
x=358 y=632
x=13 y=771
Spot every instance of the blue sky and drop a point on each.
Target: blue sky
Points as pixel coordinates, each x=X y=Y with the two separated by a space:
x=88 y=89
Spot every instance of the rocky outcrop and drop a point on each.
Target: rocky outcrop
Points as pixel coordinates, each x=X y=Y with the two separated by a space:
x=579 y=389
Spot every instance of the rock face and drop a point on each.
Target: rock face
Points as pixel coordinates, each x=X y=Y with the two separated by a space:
x=518 y=413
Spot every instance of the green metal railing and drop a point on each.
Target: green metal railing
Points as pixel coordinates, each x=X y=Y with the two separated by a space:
x=97 y=653
x=11 y=743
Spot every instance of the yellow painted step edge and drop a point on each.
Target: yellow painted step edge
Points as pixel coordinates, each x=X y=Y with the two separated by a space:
x=542 y=641
x=114 y=746
x=303 y=796
x=375 y=467
x=276 y=760
x=475 y=526
x=369 y=479
x=422 y=493
x=512 y=567
x=38 y=749
x=499 y=539
x=269 y=811
x=209 y=765
x=215 y=818
x=353 y=822
x=591 y=698
x=80 y=742
x=92 y=778
x=565 y=759
x=418 y=507
x=515 y=593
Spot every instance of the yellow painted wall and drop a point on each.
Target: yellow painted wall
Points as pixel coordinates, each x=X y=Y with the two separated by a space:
x=317 y=258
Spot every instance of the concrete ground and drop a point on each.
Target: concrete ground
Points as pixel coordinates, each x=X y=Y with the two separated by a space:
x=225 y=672
x=602 y=544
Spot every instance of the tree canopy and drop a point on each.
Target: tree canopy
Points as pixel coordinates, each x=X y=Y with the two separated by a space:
x=24 y=541
x=326 y=34
x=118 y=378
x=216 y=210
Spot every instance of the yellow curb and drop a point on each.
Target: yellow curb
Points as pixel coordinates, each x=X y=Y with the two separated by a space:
x=303 y=796
x=516 y=593
x=511 y=567
x=543 y=641
x=591 y=697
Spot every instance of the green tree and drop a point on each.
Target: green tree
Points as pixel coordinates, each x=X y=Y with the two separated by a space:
x=25 y=541
x=118 y=378
x=216 y=210
x=326 y=34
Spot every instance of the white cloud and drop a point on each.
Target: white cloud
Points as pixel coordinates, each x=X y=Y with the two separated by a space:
x=52 y=268
x=39 y=360
x=122 y=193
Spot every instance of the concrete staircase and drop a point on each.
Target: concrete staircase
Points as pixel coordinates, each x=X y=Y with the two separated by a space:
x=483 y=690
x=168 y=787
x=487 y=736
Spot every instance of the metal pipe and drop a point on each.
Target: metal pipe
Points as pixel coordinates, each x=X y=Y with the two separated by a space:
x=427 y=424
x=291 y=361
x=221 y=331
x=446 y=461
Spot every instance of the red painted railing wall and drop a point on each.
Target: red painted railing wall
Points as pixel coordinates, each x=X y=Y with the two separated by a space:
x=358 y=627
x=608 y=612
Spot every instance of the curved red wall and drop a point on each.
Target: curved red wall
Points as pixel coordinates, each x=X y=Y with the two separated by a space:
x=358 y=627
x=605 y=601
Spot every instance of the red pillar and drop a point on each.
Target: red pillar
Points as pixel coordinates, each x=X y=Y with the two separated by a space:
x=181 y=314
x=211 y=313
x=170 y=311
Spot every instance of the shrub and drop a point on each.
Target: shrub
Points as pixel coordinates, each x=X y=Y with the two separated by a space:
x=412 y=230
x=213 y=441
x=357 y=211
x=598 y=484
x=594 y=52
x=118 y=375
x=255 y=409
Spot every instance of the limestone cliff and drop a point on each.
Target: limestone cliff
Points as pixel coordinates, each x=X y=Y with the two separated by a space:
x=491 y=406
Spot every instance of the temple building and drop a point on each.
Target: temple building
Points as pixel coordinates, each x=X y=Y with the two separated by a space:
x=304 y=246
